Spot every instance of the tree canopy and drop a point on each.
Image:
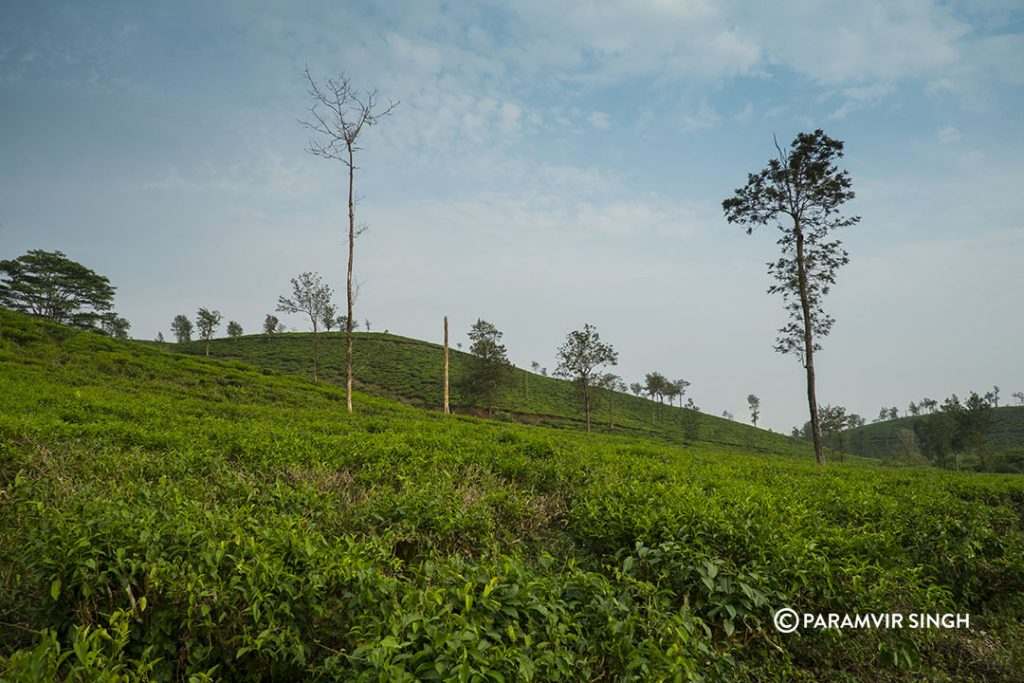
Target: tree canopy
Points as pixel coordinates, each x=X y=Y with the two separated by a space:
x=52 y=286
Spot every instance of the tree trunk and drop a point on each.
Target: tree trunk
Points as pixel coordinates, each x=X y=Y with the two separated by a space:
x=586 y=401
x=447 y=410
x=316 y=350
x=348 y=282
x=805 y=305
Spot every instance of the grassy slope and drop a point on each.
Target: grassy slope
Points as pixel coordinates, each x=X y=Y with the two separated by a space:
x=411 y=370
x=272 y=535
x=880 y=439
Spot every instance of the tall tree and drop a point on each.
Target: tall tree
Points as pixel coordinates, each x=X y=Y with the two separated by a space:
x=802 y=192
x=310 y=295
x=579 y=358
x=181 y=326
x=338 y=116
x=234 y=329
x=50 y=285
x=754 y=403
x=488 y=367
x=207 y=322
x=636 y=388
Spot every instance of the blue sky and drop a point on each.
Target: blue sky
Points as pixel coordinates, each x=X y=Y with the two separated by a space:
x=549 y=164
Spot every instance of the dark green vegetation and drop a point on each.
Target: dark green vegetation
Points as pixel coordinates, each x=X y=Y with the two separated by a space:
x=890 y=439
x=411 y=371
x=50 y=285
x=197 y=519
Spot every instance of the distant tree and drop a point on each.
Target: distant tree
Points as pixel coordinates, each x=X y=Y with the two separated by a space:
x=610 y=383
x=939 y=432
x=270 y=324
x=338 y=117
x=928 y=404
x=181 y=326
x=671 y=393
x=636 y=388
x=367 y=323
x=309 y=296
x=691 y=420
x=727 y=415
x=855 y=420
x=535 y=366
x=234 y=329
x=488 y=368
x=994 y=396
x=544 y=372
x=578 y=360
x=329 y=317
x=833 y=423
x=680 y=386
x=160 y=337
x=114 y=325
x=50 y=285
x=657 y=386
x=206 y=325
x=975 y=420
x=754 y=404
x=914 y=409
x=1019 y=395
x=806 y=187
x=894 y=413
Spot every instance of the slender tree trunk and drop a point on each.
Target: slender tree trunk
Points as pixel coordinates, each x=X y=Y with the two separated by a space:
x=447 y=410
x=316 y=350
x=207 y=347
x=586 y=401
x=805 y=305
x=348 y=282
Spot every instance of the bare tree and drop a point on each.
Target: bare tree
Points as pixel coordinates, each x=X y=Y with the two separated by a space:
x=338 y=116
x=310 y=296
x=447 y=409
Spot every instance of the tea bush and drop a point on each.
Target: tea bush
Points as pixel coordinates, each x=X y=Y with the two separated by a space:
x=164 y=517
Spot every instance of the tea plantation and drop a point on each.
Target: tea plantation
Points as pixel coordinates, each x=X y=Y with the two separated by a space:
x=168 y=517
x=411 y=370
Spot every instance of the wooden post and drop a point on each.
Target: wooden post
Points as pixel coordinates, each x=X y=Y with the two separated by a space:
x=446 y=409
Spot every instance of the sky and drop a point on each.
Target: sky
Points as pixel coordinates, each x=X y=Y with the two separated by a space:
x=548 y=164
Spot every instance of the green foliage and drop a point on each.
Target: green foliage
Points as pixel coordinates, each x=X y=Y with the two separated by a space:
x=487 y=369
x=241 y=525
x=234 y=329
x=398 y=367
x=207 y=322
x=181 y=327
x=579 y=359
x=50 y=285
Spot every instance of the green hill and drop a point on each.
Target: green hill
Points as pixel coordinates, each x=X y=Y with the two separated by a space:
x=411 y=371
x=167 y=517
x=882 y=439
